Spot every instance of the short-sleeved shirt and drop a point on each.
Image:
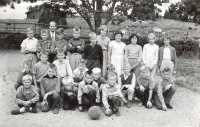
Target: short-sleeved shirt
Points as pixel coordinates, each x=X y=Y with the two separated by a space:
x=103 y=42
x=118 y=48
x=30 y=44
x=40 y=70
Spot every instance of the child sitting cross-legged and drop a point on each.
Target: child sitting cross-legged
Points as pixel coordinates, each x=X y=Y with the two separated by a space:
x=88 y=92
x=111 y=95
x=50 y=89
x=69 y=94
x=27 y=96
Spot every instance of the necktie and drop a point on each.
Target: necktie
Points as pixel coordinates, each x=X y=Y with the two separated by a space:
x=52 y=36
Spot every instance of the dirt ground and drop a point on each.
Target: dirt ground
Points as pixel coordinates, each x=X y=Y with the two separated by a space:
x=186 y=111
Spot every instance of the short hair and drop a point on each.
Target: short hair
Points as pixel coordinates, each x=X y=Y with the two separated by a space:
x=67 y=80
x=27 y=77
x=104 y=27
x=167 y=69
x=29 y=29
x=53 y=22
x=44 y=53
x=151 y=34
x=118 y=32
x=167 y=37
x=110 y=66
x=77 y=29
x=60 y=31
x=52 y=66
x=111 y=74
x=132 y=36
x=28 y=63
x=92 y=35
x=60 y=50
x=126 y=65
x=44 y=31
x=88 y=73
x=96 y=70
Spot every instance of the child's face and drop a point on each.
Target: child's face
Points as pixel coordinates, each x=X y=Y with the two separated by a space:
x=44 y=36
x=118 y=37
x=68 y=86
x=151 y=39
x=134 y=40
x=81 y=67
x=51 y=72
x=103 y=31
x=30 y=34
x=27 y=83
x=52 y=26
x=166 y=41
x=60 y=56
x=88 y=78
x=26 y=68
x=110 y=70
x=96 y=76
x=60 y=36
x=43 y=58
x=93 y=40
x=126 y=70
x=166 y=75
x=76 y=34
x=112 y=80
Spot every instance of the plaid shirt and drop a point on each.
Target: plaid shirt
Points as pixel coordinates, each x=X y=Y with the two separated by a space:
x=26 y=93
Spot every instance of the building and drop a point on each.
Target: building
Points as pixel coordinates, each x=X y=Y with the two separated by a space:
x=33 y=14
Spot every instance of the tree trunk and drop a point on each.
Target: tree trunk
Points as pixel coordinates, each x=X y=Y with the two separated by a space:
x=97 y=15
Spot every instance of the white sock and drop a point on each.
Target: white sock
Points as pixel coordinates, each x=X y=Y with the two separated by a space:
x=22 y=110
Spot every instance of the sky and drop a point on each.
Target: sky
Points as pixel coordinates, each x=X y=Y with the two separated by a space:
x=21 y=9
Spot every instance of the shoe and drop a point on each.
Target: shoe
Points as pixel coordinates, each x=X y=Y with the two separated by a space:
x=140 y=104
x=34 y=110
x=15 y=112
x=128 y=105
x=169 y=106
x=56 y=110
x=117 y=113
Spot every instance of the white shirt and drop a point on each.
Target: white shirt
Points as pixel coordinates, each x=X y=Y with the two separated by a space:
x=53 y=35
x=150 y=52
x=118 y=48
x=133 y=80
x=166 y=53
x=30 y=44
x=63 y=68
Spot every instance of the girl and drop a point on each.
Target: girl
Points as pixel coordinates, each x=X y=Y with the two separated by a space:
x=117 y=52
x=104 y=41
x=134 y=53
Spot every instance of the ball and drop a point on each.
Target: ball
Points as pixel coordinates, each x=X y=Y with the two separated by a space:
x=94 y=112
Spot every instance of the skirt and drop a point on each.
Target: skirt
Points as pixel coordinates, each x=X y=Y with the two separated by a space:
x=74 y=60
x=105 y=61
x=117 y=61
x=165 y=64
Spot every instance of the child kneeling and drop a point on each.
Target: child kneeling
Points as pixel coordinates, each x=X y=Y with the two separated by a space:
x=27 y=96
x=111 y=95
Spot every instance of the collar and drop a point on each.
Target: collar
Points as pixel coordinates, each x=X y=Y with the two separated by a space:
x=88 y=83
x=47 y=76
x=62 y=62
x=76 y=39
x=30 y=38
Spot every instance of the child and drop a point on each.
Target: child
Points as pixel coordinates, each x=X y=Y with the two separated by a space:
x=25 y=71
x=79 y=73
x=50 y=89
x=104 y=41
x=110 y=68
x=40 y=69
x=150 y=55
x=75 y=48
x=117 y=52
x=88 y=92
x=127 y=84
x=145 y=90
x=44 y=44
x=59 y=43
x=27 y=96
x=134 y=53
x=167 y=56
x=29 y=47
x=69 y=94
x=93 y=53
x=164 y=90
x=99 y=80
x=62 y=65
x=111 y=95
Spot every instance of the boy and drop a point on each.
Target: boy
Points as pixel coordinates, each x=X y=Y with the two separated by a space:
x=75 y=48
x=167 y=56
x=40 y=69
x=69 y=94
x=62 y=65
x=93 y=53
x=145 y=90
x=99 y=80
x=88 y=92
x=164 y=90
x=59 y=44
x=111 y=95
x=25 y=71
x=50 y=89
x=127 y=84
x=110 y=68
x=27 y=96
x=150 y=55
x=29 y=47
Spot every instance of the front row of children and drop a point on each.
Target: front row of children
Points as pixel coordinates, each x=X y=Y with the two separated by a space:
x=88 y=88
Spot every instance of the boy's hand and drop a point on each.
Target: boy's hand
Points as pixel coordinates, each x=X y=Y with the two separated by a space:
x=27 y=103
x=45 y=96
x=168 y=87
x=80 y=108
x=78 y=47
x=44 y=102
x=142 y=88
x=149 y=104
x=164 y=107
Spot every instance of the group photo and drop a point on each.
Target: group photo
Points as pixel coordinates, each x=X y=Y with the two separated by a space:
x=100 y=63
